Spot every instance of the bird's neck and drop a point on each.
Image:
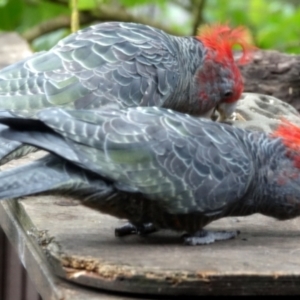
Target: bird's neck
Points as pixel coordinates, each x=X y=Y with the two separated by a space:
x=275 y=187
x=191 y=55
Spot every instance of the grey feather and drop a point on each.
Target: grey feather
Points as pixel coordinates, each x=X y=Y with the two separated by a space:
x=115 y=65
x=155 y=166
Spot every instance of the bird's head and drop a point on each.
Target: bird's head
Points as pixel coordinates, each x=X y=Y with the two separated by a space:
x=220 y=78
x=290 y=136
x=281 y=179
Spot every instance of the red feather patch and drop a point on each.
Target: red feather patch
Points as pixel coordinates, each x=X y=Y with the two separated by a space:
x=221 y=38
x=290 y=135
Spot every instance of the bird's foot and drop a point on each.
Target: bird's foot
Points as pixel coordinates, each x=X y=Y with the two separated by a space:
x=204 y=237
x=129 y=228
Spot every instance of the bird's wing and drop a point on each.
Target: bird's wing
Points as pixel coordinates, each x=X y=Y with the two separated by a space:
x=55 y=175
x=189 y=164
x=109 y=64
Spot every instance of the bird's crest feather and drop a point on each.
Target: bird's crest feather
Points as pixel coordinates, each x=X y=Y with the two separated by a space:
x=221 y=38
x=290 y=135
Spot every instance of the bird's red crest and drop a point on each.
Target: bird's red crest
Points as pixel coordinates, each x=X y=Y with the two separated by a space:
x=221 y=38
x=290 y=135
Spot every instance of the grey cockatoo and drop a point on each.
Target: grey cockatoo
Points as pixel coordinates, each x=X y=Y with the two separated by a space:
x=157 y=168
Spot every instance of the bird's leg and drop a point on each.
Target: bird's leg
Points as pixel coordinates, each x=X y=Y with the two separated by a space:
x=204 y=237
x=129 y=228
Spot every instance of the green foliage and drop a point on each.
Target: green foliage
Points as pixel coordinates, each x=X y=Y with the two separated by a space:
x=3 y=2
x=20 y=15
x=11 y=14
x=131 y=3
x=274 y=24
x=88 y=4
x=46 y=41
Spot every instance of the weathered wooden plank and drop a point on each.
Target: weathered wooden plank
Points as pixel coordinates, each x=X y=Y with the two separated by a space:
x=87 y=252
x=30 y=293
x=2 y=258
x=12 y=220
x=13 y=275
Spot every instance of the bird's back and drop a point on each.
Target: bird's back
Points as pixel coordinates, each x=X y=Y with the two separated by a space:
x=107 y=65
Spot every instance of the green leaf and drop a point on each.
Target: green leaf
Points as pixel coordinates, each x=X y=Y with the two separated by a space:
x=3 y=2
x=131 y=3
x=87 y=4
x=47 y=41
x=11 y=14
x=42 y=10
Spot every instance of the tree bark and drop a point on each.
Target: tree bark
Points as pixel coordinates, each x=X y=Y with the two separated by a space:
x=274 y=73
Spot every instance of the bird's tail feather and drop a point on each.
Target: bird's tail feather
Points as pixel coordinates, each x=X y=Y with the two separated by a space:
x=51 y=174
x=11 y=149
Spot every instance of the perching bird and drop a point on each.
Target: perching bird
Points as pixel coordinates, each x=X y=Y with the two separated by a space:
x=118 y=65
x=156 y=166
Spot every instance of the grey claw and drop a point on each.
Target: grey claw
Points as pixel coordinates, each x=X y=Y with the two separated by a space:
x=129 y=228
x=204 y=237
x=125 y=230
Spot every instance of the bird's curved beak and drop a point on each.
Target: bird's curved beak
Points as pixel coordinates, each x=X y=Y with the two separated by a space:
x=225 y=110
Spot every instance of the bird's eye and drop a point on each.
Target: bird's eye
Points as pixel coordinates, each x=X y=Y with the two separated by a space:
x=228 y=94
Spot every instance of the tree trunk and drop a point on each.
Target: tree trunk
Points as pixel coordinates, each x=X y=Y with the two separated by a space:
x=274 y=73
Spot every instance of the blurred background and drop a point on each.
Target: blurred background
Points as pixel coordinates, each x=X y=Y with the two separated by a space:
x=274 y=24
